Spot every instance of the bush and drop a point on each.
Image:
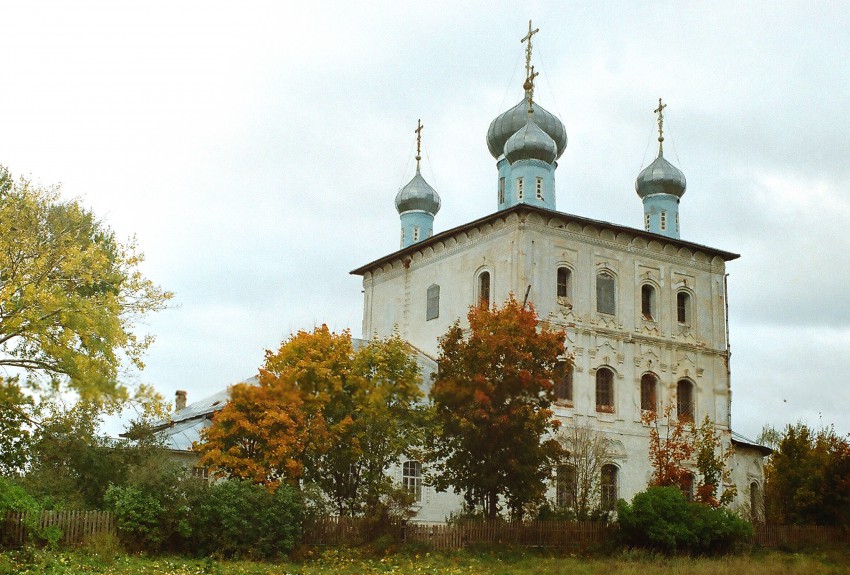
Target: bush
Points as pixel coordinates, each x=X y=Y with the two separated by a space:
x=13 y=497
x=137 y=516
x=661 y=519
x=240 y=518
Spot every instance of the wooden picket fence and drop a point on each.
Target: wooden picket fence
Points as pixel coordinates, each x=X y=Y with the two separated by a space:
x=75 y=526
x=799 y=536
x=332 y=531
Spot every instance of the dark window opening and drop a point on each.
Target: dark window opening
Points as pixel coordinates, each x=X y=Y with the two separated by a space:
x=484 y=289
x=648 y=397
x=685 y=400
x=563 y=282
x=609 y=487
x=683 y=307
x=647 y=301
x=605 y=390
x=564 y=385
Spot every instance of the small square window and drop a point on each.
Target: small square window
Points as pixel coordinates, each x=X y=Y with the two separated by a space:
x=538 y=190
x=663 y=225
x=519 y=190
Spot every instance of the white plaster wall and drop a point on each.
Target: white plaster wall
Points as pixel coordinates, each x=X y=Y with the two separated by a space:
x=523 y=249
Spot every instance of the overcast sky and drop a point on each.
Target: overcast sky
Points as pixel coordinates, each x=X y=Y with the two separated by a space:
x=255 y=150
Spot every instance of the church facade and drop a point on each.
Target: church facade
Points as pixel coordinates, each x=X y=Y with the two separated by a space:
x=645 y=312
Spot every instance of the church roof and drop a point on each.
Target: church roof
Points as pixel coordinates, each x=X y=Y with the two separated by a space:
x=726 y=256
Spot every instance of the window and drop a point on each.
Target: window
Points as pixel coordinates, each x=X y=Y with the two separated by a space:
x=416 y=233
x=538 y=189
x=609 y=487
x=564 y=385
x=683 y=307
x=605 y=293
x=411 y=477
x=402 y=236
x=484 y=289
x=501 y=190
x=663 y=225
x=648 y=397
x=201 y=473
x=646 y=221
x=565 y=486
x=647 y=302
x=755 y=502
x=605 y=390
x=564 y=282
x=687 y=486
x=519 y=188
x=677 y=221
x=433 y=305
x=685 y=400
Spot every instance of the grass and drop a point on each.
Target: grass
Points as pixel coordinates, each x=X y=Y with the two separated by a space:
x=336 y=562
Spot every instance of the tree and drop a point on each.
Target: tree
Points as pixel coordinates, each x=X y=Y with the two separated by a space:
x=322 y=412
x=670 y=448
x=681 y=453
x=585 y=451
x=712 y=463
x=808 y=478
x=491 y=399
x=70 y=293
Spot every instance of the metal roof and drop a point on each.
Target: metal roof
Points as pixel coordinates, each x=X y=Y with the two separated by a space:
x=442 y=236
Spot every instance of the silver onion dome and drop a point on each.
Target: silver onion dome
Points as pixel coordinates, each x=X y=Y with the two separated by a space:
x=530 y=143
x=417 y=195
x=508 y=123
x=660 y=177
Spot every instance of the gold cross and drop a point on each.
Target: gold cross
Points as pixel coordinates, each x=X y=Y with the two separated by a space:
x=418 y=132
x=660 y=111
x=527 y=38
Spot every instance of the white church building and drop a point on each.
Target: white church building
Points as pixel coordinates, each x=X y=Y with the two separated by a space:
x=645 y=312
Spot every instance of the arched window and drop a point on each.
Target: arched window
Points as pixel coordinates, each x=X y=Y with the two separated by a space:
x=484 y=289
x=687 y=486
x=564 y=278
x=609 y=486
x=755 y=502
x=647 y=302
x=411 y=477
x=605 y=390
x=565 y=486
x=685 y=400
x=648 y=392
x=432 y=310
x=605 y=293
x=683 y=308
x=564 y=385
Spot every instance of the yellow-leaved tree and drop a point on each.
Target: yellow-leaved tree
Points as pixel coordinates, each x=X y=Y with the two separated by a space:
x=325 y=412
x=70 y=293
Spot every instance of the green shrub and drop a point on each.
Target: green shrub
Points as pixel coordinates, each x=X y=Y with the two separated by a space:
x=138 y=517
x=13 y=497
x=240 y=518
x=661 y=519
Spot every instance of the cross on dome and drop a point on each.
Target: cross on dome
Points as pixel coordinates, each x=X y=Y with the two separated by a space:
x=527 y=38
x=418 y=132
x=660 y=111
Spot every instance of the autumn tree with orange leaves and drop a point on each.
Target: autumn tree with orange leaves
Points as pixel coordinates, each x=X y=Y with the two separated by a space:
x=323 y=412
x=491 y=400
x=682 y=453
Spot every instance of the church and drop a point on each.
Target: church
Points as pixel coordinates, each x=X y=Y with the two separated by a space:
x=645 y=311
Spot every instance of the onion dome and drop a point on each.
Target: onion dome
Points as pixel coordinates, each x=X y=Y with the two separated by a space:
x=660 y=177
x=417 y=195
x=530 y=143
x=509 y=123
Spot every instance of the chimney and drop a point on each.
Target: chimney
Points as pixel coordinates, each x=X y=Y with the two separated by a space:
x=179 y=400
